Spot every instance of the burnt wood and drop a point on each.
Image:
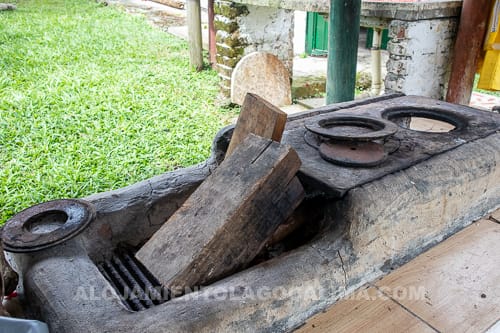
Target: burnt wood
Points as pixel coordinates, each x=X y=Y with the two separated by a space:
x=228 y=219
x=259 y=117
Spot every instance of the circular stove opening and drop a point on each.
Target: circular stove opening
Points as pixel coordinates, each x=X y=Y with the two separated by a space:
x=351 y=127
x=424 y=120
x=46 y=222
x=423 y=124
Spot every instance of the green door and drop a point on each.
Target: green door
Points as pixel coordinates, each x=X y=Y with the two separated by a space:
x=369 y=38
x=316 y=35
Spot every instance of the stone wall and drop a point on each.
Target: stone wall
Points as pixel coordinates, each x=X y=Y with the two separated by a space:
x=420 y=54
x=242 y=29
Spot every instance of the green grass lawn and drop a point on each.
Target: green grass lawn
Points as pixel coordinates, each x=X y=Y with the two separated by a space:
x=93 y=99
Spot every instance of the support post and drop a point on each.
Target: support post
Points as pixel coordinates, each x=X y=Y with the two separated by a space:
x=342 y=50
x=212 y=50
x=194 y=34
x=376 y=62
x=468 y=46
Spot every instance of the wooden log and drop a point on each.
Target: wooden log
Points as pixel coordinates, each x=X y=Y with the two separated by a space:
x=228 y=219
x=262 y=118
x=212 y=43
x=7 y=6
x=258 y=117
x=179 y=4
x=468 y=47
x=194 y=34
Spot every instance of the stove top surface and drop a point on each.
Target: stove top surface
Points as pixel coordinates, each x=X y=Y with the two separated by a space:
x=322 y=166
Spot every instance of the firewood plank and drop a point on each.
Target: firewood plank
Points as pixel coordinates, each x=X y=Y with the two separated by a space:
x=229 y=218
x=258 y=117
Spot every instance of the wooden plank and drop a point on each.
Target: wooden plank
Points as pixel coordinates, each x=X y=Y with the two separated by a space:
x=496 y=215
x=262 y=118
x=179 y=4
x=229 y=218
x=367 y=310
x=212 y=42
x=258 y=117
x=461 y=278
x=7 y=6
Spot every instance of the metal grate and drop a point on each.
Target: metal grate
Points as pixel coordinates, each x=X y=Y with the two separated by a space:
x=137 y=287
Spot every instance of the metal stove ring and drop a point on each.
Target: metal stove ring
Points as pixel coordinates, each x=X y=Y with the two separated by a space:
x=46 y=224
x=353 y=154
x=373 y=128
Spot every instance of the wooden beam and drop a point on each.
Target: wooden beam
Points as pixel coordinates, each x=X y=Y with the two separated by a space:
x=258 y=117
x=179 y=4
x=7 y=6
x=228 y=219
x=342 y=50
x=194 y=34
x=468 y=47
x=212 y=50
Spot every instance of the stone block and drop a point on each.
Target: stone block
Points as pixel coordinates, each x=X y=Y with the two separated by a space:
x=398 y=49
x=224 y=70
x=224 y=79
x=230 y=9
x=231 y=52
x=262 y=74
x=230 y=39
x=231 y=62
x=397 y=67
x=222 y=23
x=397 y=30
x=394 y=82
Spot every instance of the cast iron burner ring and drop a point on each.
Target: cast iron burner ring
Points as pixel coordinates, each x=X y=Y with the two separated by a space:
x=47 y=224
x=352 y=127
x=349 y=140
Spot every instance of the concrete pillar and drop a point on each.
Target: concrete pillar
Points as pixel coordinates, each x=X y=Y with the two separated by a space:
x=420 y=54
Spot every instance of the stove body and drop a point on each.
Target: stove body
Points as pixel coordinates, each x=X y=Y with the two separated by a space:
x=363 y=221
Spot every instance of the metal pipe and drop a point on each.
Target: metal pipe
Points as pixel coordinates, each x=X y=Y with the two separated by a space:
x=376 y=62
x=342 y=50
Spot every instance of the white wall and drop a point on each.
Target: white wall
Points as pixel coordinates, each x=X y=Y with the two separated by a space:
x=299 y=32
